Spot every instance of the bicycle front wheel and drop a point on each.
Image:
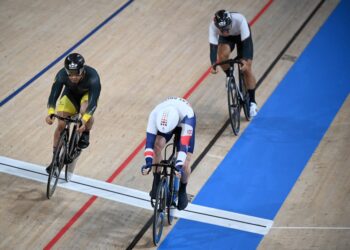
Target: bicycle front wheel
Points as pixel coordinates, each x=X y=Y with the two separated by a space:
x=174 y=183
x=57 y=165
x=73 y=154
x=234 y=106
x=159 y=211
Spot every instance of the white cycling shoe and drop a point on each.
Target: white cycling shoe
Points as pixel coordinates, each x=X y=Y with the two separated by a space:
x=253 y=110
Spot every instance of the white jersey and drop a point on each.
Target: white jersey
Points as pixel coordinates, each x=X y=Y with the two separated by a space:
x=187 y=123
x=239 y=26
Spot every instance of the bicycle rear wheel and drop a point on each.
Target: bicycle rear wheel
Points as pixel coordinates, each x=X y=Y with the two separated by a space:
x=57 y=165
x=234 y=106
x=159 y=211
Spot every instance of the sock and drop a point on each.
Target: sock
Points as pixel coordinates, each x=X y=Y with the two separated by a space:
x=182 y=187
x=251 y=93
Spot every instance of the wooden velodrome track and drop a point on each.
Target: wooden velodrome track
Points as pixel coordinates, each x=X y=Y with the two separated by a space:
x=147 y=52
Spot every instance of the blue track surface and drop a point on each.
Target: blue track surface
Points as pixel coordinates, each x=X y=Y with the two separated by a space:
x=260 y=170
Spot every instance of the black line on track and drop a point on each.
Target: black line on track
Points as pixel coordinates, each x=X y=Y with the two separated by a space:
x=222 y=129
x=225 y=218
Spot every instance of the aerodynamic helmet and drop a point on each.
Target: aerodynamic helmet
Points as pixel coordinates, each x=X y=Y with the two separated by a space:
x=74 y=64
x=222 y=19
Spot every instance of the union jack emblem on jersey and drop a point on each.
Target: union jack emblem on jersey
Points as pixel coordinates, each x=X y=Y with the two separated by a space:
x=164 y=120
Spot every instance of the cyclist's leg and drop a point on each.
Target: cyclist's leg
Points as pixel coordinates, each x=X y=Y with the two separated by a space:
x=186 y=166
x=245 y=51
x=225 y=47
x=183 y=200
x=85 y=137
x=66 y=107
x=224 y=52
x=161 y=140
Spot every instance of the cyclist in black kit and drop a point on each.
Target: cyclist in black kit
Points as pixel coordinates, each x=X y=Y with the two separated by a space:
x=81 y=93
x=226 y=30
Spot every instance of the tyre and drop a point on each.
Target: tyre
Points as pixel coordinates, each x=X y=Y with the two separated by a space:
x=172 y=198
x=57 y=165
x=234 y=107
x=72 y=156
x=159 y=211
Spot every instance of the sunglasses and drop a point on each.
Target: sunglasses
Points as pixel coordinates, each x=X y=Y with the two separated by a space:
x=225 y=29
x=75 y=72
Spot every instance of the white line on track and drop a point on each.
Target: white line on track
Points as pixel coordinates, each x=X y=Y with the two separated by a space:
x=313 y=228
x=137 y=198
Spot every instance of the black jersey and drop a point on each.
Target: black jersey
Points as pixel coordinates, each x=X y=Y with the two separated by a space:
x=90 y=83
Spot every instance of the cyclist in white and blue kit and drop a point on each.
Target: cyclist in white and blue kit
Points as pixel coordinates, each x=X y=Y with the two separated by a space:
x=226 y=30
x=172 y=116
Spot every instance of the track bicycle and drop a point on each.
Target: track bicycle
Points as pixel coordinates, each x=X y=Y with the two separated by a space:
x=66 y=153
x=167 y=189
x=237 y=94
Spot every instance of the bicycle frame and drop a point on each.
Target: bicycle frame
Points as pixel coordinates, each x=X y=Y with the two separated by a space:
x=231 y=63
x=72 y=137
x=65 y=153
x=236 y=93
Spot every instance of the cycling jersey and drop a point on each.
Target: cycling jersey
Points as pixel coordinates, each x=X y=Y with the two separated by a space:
x=186 y=128
x=238 y=33
x=73 y=94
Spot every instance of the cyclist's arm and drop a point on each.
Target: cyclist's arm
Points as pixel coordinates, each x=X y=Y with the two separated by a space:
x=244 y=29
x=55 y=93
x=213 y=41
x=150 y=138
x=149 y=152
x=213 y=53
x=94 y=94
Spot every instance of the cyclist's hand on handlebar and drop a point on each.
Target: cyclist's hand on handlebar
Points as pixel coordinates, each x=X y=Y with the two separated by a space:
x=244 y=65
x=49 y=119
x=145 y=169
x=214 y=70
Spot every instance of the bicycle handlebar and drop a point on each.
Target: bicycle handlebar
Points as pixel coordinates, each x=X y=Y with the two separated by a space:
x=164 y=165
x=68 y=119
x=231 y=62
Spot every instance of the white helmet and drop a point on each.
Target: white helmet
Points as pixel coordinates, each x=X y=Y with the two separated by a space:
x=167 y=119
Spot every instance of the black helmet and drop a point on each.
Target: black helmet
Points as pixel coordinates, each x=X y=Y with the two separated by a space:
x=74 y=64
x=222 y=19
